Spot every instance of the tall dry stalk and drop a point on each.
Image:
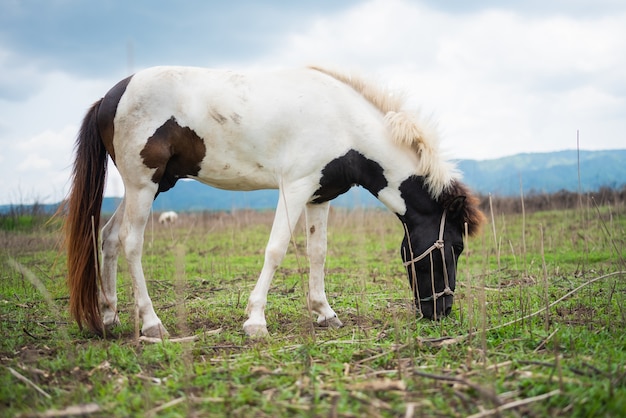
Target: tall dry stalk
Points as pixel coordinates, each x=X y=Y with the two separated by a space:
x=546 y=293
x=580 y=194
x=470 y=298
x=493 y=227
x=180 y=287
x=583 y=219
x=521 y=187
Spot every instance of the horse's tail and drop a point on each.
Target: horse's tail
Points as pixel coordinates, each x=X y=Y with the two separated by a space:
x=83 y=223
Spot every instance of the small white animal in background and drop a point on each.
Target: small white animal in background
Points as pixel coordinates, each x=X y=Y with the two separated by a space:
x=168 y=217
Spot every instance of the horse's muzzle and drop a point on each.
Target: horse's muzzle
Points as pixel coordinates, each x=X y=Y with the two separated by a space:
x=443 y=307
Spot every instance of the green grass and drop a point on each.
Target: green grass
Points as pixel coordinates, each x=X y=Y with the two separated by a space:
x=493 y=352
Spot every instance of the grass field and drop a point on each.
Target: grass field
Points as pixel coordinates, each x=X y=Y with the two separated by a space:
x=538 y=327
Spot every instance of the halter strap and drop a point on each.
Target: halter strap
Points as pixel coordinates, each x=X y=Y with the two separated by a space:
x=437 y=245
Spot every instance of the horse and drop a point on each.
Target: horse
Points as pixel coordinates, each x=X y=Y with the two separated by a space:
x=311 y=132
x=168 y=217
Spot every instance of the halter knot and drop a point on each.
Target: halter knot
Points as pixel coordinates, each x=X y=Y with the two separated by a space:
x=444 y=292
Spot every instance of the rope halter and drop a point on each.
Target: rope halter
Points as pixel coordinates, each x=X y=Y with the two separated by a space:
x=438 y=245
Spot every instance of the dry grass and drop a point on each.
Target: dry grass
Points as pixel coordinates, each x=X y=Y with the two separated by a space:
x=538 y=327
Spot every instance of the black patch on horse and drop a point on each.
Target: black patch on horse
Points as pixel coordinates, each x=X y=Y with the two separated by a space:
x=351 y=169
x=175 y=152
x=106 y=114
x=414 y=191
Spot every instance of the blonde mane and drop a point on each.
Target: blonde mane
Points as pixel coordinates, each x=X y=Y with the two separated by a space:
x=407 y=129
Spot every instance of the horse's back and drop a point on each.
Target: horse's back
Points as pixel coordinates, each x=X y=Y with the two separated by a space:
x=251 y=130
x=228 y=99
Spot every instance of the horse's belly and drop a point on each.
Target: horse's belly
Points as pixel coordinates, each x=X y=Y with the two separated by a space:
x=236 y=177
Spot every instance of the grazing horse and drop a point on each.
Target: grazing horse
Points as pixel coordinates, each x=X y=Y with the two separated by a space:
x=312 y=133
x=168 y=217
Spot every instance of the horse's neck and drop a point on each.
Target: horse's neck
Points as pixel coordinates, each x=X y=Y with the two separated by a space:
x=395 y=170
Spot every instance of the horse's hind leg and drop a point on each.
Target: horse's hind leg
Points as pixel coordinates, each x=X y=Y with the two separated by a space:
x=110 y=252
x=316 y=226
x=138 y=201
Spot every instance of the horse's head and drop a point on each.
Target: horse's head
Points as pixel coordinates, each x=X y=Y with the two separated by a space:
x=433 y=242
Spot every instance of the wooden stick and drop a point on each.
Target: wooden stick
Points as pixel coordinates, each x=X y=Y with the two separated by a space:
x=70 y=411
x=29 y=382
x=515 y=404
x=179 y=340
x=455 y=379
x=562 y=298
x=166 y=405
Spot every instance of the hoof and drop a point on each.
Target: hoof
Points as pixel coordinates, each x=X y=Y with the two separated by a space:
x=109 y=328
x=332 y=322
x=156 y=331
x=255 y=330
x=111 y=325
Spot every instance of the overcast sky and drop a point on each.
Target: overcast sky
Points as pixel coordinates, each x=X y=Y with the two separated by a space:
x=501 y=77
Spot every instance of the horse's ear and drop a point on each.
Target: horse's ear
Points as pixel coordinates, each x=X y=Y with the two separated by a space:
x=456 y=207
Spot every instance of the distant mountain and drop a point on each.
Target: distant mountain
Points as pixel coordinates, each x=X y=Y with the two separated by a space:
x=190 y=195
x=537 y=173
x=546 y=172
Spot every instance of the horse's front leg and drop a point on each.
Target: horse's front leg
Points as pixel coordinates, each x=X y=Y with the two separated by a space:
x=288 y=211
x=107 y=295
x=316 y=226
x=136 y=212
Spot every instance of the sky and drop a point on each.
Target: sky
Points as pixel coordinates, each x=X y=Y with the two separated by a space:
x=500 y=77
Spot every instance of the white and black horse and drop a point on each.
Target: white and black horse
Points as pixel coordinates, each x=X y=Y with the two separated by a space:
x=311 y=133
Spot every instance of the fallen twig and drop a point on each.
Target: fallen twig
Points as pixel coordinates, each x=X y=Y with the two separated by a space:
x=452 y=340
x=179 y=340
x=559 y=300
x=166 y=405
x=545 y=341
x=514 y=404
x=455 y=379
x=29 y=382
x=442 y=341
x=393 y=350
x=70 y=411
x=379 y=385
x=176 y=401
x=489 y=367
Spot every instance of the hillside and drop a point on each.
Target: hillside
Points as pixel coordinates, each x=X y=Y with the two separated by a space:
x=189 y=195
x=546 y=172
x=539 y=173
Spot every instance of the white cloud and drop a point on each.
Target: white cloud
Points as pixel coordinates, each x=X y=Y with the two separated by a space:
x=499 y=80
x=36 y=142
x=49 y=141
x=40 y=167
x=34 y=162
